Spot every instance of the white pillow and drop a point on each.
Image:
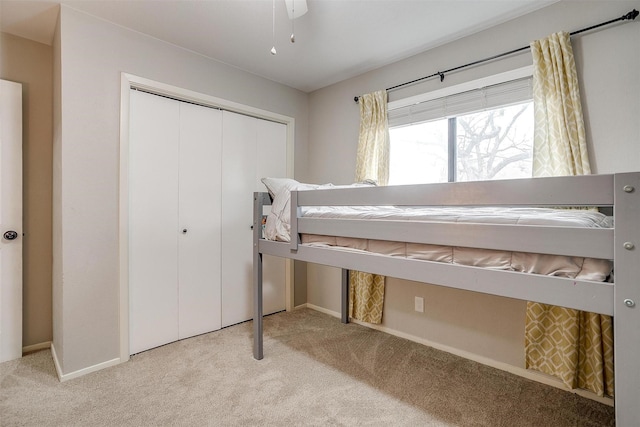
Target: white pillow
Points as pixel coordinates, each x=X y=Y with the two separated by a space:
x=278 y=226
x=274 y=185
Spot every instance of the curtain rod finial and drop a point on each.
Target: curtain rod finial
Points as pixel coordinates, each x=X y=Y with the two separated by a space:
x=632 y=15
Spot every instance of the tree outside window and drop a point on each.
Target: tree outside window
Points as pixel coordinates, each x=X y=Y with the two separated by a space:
x=487 y=145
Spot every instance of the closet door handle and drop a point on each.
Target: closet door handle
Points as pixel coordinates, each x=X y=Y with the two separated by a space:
x=184 y=231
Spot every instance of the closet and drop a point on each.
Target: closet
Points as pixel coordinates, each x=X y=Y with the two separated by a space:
x=192 y=172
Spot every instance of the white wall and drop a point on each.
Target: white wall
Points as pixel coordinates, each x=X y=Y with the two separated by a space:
x=92 y=55
x=607 y=60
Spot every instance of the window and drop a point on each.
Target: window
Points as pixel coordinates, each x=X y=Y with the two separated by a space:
x=481 y=134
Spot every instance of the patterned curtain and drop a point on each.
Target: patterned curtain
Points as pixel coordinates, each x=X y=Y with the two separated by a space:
x=575 y=346
x=366 y=291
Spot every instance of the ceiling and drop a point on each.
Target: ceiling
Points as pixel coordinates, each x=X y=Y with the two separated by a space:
x=334 y=40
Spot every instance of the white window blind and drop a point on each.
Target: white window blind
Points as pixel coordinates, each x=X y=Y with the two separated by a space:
x=494 y=96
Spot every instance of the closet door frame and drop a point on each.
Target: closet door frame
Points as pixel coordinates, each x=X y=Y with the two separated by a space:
x=128 y=82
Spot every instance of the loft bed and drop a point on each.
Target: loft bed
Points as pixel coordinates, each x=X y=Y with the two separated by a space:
x=617 y=195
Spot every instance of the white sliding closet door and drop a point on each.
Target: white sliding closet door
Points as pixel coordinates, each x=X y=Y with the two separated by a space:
x=174 y=220
x=252 y=149
x=200 y=220
x=153 y=221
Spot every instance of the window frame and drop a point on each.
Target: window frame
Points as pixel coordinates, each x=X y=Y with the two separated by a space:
x=479 y=84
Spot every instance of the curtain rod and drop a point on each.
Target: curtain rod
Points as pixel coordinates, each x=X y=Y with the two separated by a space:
x=627 y=17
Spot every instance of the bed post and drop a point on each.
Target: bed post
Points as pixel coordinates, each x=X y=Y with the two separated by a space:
x=257 y=276
x=627 y=297
x=345 y=296
x=293 y=220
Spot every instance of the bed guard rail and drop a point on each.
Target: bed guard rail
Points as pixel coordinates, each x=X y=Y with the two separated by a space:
x=579 y=191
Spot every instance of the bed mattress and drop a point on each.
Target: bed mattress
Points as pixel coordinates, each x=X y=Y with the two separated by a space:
x=563 y=266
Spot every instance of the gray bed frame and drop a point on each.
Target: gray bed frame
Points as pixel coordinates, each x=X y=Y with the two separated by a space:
x=617 y=193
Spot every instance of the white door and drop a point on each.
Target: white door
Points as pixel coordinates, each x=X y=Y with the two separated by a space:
x=153 y=221
x=252 y=149
x=174 y=220
x=200 y=220
x=10 y=220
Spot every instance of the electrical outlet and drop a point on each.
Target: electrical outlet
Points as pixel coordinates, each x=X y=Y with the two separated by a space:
x=419 y=304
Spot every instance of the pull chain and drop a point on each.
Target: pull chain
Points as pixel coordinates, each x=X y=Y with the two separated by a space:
x=293 y=20
x=273 y=33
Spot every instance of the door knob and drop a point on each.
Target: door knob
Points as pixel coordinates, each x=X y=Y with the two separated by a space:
x=184 y=231
x=10 y=235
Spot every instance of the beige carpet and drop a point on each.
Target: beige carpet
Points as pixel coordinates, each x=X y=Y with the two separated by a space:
x=316 y=372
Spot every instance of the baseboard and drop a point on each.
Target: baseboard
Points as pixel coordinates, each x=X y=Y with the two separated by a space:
x=56 y=363
x=323 y=310
x=521 y=372
x=36 y=347
x=84 y=371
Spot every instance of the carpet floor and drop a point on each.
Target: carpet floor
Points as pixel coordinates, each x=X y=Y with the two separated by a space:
x=316 y=372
